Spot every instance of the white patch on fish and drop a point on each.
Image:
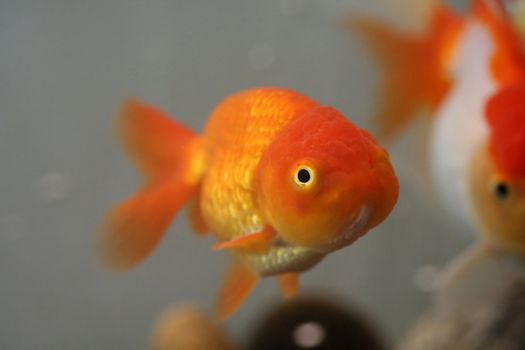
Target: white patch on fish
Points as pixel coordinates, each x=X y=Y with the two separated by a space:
x=460 y=126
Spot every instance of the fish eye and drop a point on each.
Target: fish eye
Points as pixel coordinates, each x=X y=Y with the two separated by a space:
x=304 y=176
x=501 y=190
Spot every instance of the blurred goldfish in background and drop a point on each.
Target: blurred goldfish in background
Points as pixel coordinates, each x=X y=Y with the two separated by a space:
x=280 y=180
x=469 y=71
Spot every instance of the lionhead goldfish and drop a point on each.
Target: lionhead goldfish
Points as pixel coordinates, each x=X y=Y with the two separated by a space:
x=280 y=180
x=469 y=71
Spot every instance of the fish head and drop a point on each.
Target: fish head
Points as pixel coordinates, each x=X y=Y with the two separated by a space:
x=323 y=182
x=497 y=172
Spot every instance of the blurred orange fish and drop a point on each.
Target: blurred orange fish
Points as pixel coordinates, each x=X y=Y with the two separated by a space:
x=280 y=180
x=421 y=70
x=469 y=70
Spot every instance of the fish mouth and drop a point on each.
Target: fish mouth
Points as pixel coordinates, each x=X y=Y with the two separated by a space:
x=279 y=242
x=344 y=237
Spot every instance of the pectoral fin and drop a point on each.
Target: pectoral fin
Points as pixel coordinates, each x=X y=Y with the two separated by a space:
x=238 y=283
x=258 y=242
x=289 y=284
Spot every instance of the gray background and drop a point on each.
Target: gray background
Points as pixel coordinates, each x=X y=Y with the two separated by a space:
x=64 y=68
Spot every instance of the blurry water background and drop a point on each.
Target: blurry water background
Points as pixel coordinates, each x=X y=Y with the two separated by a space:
x=65 y=66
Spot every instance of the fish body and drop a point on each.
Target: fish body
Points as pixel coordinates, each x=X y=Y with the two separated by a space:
x=461 y=69
x=238 y=133
x=280 y=180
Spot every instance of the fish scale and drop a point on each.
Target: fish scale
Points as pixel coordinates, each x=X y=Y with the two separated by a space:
x=245 y=131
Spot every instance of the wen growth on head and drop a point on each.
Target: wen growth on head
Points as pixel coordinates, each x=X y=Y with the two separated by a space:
x=278 y=179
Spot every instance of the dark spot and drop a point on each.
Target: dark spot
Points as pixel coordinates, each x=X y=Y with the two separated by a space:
x=501 y=190
x=316 y=323
x=304 y=176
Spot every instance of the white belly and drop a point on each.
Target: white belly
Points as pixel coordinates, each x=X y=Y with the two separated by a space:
x=459 y=125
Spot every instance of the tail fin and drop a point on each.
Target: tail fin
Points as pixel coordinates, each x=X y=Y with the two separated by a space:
x=166 y=153
x=414 y=67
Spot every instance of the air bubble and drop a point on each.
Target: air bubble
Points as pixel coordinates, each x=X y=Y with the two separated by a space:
x=54 y=186
x=262 y=56
x=309 y=335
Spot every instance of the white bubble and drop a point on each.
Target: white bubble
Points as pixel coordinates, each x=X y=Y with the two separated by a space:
x=54 y=186
x=309 y=335
x=292 y=8
x=12 y=227
x=262 y=56
x=426 y=278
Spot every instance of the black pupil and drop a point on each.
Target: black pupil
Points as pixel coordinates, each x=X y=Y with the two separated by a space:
x=501 y=190
x=303 y=176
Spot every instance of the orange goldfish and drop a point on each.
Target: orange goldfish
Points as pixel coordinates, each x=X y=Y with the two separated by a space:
x=280 y=180
x=469 y=71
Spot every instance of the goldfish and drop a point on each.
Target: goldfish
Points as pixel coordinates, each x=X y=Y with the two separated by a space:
x=468 y=71
x=280 y=181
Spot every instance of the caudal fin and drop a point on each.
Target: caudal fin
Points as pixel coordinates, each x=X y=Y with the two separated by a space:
x=414 y=67
x=166 y=152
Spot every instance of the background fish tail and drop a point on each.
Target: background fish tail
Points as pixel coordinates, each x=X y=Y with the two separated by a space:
x=414 y=66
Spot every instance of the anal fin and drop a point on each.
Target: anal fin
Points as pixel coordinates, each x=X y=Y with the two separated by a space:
x=289 y=284
x=238 y=283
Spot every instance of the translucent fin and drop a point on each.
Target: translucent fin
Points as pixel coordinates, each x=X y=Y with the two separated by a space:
x=134 y=228
x=166 y=152
x=415 y=68
x=289 y=284
x=238 y=284
x=156 y=143
x=252 y=243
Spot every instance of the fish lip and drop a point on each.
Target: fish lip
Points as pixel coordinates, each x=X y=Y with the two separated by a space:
x=345 y=236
